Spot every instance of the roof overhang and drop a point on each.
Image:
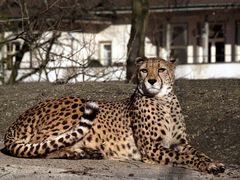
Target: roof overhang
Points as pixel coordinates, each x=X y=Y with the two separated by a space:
x=177 y=8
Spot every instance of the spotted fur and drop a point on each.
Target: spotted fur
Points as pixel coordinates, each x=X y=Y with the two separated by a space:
x=148 y=126
x=21 y=147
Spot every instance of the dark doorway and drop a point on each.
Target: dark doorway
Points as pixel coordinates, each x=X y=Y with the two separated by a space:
x=216 y=44
x=219 y=51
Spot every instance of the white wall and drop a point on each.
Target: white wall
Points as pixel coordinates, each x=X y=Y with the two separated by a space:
x=193 y=71
x=208 y=71
x=75 y=52
x=119 y=36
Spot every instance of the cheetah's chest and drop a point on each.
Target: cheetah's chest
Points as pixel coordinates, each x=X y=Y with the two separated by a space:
x=155 y=123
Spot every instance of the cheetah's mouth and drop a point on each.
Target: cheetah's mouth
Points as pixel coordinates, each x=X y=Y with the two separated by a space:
x=151 y=90
x=154 y=90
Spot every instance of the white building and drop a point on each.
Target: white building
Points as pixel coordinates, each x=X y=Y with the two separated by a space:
x=204 y=36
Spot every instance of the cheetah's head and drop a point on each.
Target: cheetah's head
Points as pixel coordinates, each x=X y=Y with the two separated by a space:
x=155 y=76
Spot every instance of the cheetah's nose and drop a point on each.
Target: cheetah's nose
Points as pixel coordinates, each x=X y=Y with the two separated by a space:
x=152 y=81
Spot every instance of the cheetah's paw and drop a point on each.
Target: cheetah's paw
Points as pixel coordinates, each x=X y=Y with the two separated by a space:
x=215 y=168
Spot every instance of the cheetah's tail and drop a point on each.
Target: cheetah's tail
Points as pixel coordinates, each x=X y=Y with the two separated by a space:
x=22 y=149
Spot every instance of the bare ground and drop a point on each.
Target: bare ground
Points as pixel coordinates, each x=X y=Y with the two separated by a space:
x=211 y=109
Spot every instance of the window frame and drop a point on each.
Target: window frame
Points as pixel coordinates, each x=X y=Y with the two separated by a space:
x=103 y=61
x=179 y=47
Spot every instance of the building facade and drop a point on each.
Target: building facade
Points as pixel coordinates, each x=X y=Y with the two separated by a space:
x=203 y=35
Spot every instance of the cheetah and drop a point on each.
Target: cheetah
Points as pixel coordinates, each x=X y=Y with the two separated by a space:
x=148 y=126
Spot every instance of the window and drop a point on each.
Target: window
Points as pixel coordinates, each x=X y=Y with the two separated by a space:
x=237 y=42
x=105 y=53
x=178 y=42
x=160 y=40
x=12 y=49
x=178 y=35
x=238 y=34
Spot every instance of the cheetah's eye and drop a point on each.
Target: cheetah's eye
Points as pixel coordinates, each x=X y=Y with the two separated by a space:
x=144 y=70
x=161 y=70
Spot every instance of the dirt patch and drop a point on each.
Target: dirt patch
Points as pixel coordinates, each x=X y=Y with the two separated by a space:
x=211 y=108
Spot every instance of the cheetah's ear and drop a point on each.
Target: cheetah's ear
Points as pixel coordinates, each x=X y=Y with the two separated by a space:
x=172 y=61
x=140 y=60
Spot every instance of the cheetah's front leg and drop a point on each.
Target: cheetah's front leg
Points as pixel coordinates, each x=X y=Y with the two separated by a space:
x=200 y=160
x=184 y=155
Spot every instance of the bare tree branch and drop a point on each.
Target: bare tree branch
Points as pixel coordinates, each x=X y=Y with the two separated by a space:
x=46 y=59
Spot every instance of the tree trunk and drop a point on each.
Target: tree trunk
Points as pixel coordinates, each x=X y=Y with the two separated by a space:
x=137 y=37
x=18 y=59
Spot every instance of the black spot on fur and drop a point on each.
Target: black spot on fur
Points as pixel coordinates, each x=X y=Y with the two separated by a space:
x=89 y=138
x=55 y=146
x=44 y=146
x=166 y=161
x=163 y=132
x=159 y=139
x=55 y=106
x=80 y=131
x=74 y=106
x=67 y=114
x=67 y=102
x=65 y=127
x=83 y=101
x=74 y=134
x=82 y=109
x=75 y=116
